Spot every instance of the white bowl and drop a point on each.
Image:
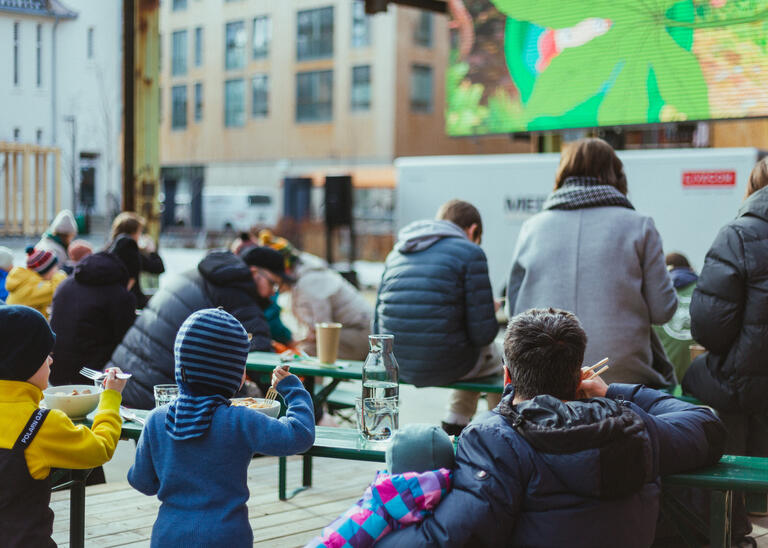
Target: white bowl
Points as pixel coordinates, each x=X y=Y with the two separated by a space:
x=76 y=407
x=272 y=411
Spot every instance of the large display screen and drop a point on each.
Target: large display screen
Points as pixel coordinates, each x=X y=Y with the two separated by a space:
x=533 y=65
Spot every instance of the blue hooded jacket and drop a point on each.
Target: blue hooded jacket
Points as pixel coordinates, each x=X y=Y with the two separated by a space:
x=435 y=297
x=583 y=473
x=3 y=290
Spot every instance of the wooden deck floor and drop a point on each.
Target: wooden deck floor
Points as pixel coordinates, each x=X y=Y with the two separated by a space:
x=116 y=515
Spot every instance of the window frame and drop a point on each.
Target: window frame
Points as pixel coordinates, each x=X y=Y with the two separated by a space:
x=17 y=53
x=179 y=56
x=354 y=105
x=264 y=113
x=39 y=55
x=228 y=122
x=306 y=111
x=198 y=105
x=180 y=123
x=360 y=19
x=424 y=31
x=318 y=43
x=229 y=54
x=415 y=102
x=178 y=5
x=199 y=39
x=263 y=52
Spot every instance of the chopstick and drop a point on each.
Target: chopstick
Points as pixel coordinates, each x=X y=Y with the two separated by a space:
x=592 y=368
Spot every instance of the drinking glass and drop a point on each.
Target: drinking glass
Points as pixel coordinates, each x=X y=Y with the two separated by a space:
x=165 y=393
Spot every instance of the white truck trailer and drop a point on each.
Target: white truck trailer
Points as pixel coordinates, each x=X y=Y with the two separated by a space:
x=690 y=193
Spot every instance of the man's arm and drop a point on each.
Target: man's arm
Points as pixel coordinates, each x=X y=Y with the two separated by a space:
x=689 y=436
x=483 y=503
x=478 y=301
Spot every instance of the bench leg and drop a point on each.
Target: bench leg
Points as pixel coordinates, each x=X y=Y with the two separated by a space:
x=306 y=470
x=720 y=509
x=281 y=467
x=77 y=508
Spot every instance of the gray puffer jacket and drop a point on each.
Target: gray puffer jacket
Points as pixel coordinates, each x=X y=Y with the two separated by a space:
x=435 y=298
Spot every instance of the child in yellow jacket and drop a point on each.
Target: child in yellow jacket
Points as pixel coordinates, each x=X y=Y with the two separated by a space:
x=34 y=440
x=34 y=285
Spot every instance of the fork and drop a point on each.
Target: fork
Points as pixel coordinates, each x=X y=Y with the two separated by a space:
x=131 y=416
x=98 y=375
x=271 y=395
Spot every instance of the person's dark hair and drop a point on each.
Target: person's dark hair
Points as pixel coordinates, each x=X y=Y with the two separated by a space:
x=758 y=178
x=591 y=158
x=544 y=350
x=462 y=214
x=676 y=260
x=128 y=223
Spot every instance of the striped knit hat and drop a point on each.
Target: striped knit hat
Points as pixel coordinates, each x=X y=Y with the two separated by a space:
x=40 y=260
x=211 y=349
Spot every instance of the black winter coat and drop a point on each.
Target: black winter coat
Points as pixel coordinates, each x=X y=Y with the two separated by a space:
x=729 y=315
x=221 y=279
x=91 y=312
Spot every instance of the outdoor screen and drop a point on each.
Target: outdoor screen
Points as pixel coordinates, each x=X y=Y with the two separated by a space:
x=531 y=65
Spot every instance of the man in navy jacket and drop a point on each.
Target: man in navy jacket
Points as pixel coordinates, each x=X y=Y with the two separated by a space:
x=565 y=460
x=435 y=298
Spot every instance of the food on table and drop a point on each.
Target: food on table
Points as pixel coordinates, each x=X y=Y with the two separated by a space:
x=251 y=403
x=74 y=392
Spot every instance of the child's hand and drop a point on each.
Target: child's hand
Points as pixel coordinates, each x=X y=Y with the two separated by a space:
x=279 y=373
x=112 y=382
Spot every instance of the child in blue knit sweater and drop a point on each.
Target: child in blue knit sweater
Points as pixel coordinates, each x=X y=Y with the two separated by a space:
x=194 y=453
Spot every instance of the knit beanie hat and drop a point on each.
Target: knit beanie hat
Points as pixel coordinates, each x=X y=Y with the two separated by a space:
x=127 y=250
x=210 y=350
x=79 y=250
x=281 y=245
x=63 y=223
x=419 y=448
x=26 y=340
x=40 y=260
x=6 y=258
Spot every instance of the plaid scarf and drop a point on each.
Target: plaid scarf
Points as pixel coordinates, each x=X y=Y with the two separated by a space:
x=584 y=192
x=389 y=503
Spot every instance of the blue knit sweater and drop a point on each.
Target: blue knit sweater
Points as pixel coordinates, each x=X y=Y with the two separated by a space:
x=202 y=482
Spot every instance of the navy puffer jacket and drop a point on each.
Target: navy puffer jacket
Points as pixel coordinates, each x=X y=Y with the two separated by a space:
x=729 y=315
x=581 y=473
x=435 y=298
x=221 y=279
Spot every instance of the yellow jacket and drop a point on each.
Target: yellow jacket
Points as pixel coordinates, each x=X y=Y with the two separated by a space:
x=26 y=287
x=59 y=443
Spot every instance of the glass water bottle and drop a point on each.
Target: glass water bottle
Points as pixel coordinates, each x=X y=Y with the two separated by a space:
x=380 y=399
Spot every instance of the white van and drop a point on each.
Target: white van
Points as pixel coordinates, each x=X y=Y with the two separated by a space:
x=239 y=208
x=690 y=193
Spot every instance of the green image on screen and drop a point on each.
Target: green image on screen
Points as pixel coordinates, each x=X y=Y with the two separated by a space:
x=536 y=65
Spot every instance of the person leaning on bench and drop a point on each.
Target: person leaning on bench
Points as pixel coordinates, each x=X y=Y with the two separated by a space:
x=565 y=460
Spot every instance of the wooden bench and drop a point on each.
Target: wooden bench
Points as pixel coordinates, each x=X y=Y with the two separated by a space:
x=732 y=473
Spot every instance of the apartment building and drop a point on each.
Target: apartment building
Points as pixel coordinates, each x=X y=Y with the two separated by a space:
x=253 y=91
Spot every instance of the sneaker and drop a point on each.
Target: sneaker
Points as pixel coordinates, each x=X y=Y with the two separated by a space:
x=452 y=429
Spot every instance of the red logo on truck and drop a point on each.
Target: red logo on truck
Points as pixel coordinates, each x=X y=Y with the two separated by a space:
x=709 y=178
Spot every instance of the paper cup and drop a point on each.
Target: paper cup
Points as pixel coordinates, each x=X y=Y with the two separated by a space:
x=696 y=350
x=327 y=340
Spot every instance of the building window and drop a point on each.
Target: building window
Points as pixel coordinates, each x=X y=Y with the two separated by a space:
x=179 y=53
x=89 y=43
x=421 y=88
x=314 y=36
x=39 y=136
x=423 y=34
x=361 y=25
x=314 y=96
x=17 y=134
x=260 y=96
x=16 y=53
x=235 y=45
x=179 y=5
x=361 y=88
x=262 y=36
x=39 y=56
x=234 y=103
x=179 y=107
x=198 y=102
x=199 y=46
